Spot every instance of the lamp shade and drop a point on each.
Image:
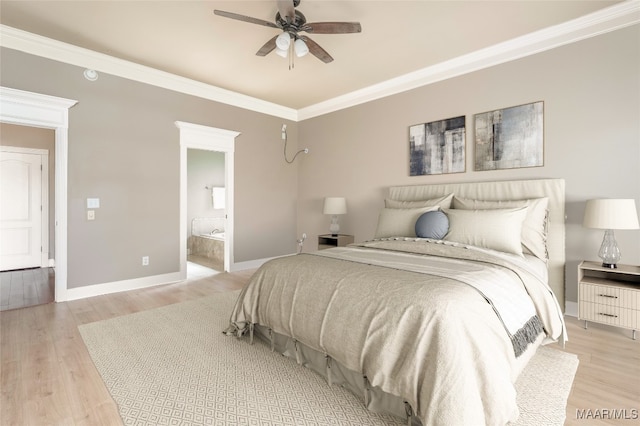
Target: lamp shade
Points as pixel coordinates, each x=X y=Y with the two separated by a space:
x=283 y=41
x=300 y=48
x=335 y=205
x=611 y=214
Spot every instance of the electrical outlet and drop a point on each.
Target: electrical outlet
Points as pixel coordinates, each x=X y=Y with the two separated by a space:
x=145 y=260
x=91 y=214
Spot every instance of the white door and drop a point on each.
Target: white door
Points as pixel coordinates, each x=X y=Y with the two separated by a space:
x=20 y=210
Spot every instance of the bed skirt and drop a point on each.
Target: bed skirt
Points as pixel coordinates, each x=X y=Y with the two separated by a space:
x=374 y=398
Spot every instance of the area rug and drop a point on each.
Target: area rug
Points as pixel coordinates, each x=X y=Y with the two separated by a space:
x=173 y=366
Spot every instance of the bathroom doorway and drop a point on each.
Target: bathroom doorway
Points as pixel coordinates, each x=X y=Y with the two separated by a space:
x=198 y=137
x=206 y=210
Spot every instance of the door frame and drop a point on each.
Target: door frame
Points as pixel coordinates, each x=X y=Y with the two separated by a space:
x=44 y=196
x=196 y=136
x=49 y=112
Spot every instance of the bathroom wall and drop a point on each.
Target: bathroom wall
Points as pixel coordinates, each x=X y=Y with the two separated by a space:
x=205 y=169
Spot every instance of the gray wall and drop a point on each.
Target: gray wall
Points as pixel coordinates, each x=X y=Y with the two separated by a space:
x=591 y=94
x=124 y=149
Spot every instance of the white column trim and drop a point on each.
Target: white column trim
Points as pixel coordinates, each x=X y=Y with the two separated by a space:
x=50 y=112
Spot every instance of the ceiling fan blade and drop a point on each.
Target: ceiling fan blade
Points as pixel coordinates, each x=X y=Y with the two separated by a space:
x=317 y=51
x=332 y=27
x=245 y=18
x=287 y=10
x=267 y=47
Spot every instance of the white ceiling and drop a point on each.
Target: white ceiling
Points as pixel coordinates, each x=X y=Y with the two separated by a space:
x=185 y=38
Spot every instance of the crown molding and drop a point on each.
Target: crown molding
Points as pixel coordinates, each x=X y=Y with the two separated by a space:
x=612 y=18
x=45 y=47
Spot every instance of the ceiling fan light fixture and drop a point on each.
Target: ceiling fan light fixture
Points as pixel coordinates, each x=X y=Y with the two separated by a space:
x=291 y=22
x=300 y=48
x=283 y=41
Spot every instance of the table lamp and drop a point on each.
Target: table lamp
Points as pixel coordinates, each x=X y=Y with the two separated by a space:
x=334 y=206
x=610 y=214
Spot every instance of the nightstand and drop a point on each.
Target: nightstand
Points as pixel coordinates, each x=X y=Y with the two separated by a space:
x=609 y=296
x=327 y=241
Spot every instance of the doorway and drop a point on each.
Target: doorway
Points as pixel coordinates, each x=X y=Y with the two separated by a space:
x=206 y=212
x=194 y=136
x=24 y=195
x=26 y=243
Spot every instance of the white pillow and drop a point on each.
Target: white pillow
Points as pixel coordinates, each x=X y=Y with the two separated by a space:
x=534 y=227
x=495 y=229
x=442 y=202
x=399 y=222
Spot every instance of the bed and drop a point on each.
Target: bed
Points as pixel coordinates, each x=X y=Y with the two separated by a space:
x=434 y=318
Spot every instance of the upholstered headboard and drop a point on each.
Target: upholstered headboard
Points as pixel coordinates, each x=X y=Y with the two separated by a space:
x=509 y=190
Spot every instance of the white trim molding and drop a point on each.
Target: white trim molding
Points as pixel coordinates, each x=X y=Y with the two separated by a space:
x=196 y=136
x=256 y=263
x=251 y=264
x=617 y=16
x=37 y=110
x=124 y=285
x=571 y=308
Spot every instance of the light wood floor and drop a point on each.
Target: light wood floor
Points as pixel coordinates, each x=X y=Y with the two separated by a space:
x=48 y=378
x=26 y=287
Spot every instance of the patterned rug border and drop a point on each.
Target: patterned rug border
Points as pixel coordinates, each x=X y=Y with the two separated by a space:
x=153 y=382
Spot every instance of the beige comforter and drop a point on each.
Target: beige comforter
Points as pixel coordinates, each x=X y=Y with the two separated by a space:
x=437 y=342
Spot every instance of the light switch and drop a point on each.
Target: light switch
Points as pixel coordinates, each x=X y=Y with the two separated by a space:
x=93 y=203
x=91 y=215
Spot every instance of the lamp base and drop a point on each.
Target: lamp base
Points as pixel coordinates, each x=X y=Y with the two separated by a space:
x=334 y=228
x=609 y=251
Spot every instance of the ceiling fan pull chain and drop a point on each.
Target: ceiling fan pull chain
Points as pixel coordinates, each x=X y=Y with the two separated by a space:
x=291 y=64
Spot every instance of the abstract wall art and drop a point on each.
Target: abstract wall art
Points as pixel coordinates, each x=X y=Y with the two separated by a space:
x=510 y=138
x=437 y=147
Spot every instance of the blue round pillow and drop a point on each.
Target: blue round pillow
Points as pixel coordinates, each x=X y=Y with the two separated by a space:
x=433 y=224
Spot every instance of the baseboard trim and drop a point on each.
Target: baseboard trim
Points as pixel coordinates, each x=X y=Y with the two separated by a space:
x=571 y=309
x=144 y=282
x=125 y=285
x=251 y=264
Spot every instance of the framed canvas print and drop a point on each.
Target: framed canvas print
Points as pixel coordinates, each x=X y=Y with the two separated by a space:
x=510 y=138
x=437 y=147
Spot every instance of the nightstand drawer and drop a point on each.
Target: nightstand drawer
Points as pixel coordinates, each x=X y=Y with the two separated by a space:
x=611 y=315
x=607 y=295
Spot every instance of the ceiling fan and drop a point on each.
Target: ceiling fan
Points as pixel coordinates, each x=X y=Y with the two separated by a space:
x=292 y=22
